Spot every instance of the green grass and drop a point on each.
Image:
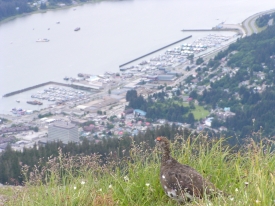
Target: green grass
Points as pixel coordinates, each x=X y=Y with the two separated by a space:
x=199 y=111
x=260 y=29
x=248 y=176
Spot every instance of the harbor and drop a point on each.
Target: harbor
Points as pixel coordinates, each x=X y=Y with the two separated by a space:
x=154 y=52
x=47 y=96
x=45 y=84
x=173 y=57
x=83 y=88
x=103 y=46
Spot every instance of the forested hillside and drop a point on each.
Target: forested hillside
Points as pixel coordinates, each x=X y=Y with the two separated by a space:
x=250 y=93
x=14 y=7
x=9 y=8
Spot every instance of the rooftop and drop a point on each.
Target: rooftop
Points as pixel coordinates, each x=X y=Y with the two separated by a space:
x=65 y=125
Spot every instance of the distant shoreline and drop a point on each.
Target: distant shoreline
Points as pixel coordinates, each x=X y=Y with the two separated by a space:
x=50 y=9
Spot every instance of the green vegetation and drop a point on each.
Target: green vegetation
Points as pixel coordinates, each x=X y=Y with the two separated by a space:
x=11 y=8
x=36 y=129
x=246 y=175
x=159 y=106
x=199 y=61
x=99 y=112
x=10 y=160
x=200 y=112
x=2 y=120
x=264 y=19
x=247 y=87
x=45 y=115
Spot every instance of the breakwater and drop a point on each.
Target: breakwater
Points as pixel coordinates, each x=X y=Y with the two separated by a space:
x=153 y=52
x=36 y=86
x=235 y=29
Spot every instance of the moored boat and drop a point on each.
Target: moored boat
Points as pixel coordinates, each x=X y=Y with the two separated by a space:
x=42 y=40
x=35 y=102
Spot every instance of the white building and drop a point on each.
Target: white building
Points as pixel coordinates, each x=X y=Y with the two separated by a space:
x=208 y=121
x=63 y=131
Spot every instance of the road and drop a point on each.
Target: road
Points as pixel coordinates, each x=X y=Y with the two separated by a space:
x=249 y=24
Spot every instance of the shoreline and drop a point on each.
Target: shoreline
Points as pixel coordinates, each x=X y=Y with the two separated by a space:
x=249 y=19
x=50 y=9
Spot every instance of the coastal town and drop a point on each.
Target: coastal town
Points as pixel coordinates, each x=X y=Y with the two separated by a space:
x=118 y=102
x=95 y=107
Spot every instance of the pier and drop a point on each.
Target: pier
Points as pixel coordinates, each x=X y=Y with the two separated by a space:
x=213 y=29
x=44 y=84
x=219 y=28
x=154 y=51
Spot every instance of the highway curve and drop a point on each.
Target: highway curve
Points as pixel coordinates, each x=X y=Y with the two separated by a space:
x=249 y=24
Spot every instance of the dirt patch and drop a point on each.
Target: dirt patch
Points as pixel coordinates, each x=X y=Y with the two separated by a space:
x=104 y=199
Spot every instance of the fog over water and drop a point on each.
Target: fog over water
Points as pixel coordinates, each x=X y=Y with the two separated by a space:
x=112 y=33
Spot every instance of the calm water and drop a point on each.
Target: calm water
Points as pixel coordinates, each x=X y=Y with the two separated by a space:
x=112 y=33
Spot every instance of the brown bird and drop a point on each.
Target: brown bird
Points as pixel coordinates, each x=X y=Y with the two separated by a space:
x=181 y=182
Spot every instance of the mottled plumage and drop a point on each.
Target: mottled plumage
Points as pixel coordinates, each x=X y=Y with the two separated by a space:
x=181 y=182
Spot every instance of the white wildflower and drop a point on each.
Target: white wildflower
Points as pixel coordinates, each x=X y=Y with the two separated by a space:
x=231 y=198
x=74 y=187
x=82 y=182
x=100 y=190
x=258 y=201
x=126 y=178
x=246 y=183
x=110 y=186
x=147 y=184
x=236 y=190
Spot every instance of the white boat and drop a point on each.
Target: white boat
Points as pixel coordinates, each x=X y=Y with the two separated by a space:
x=42 y=40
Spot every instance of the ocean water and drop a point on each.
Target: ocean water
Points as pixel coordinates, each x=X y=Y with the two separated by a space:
x=112 y=33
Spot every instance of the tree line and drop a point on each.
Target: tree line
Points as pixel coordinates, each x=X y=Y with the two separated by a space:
x=11 y=161
x=10 y=8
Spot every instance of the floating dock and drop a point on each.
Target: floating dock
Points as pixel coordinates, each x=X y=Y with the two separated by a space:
x=152 y=52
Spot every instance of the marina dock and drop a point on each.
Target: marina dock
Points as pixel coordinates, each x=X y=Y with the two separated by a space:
x=45 y=84
x=121 y=69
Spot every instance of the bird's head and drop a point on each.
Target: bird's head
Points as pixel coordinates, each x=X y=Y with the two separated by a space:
x=162 y=143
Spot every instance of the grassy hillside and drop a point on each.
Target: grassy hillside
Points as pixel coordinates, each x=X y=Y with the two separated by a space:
x=248 y=175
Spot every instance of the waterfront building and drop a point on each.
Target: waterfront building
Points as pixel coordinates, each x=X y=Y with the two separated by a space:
x=63 y=131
